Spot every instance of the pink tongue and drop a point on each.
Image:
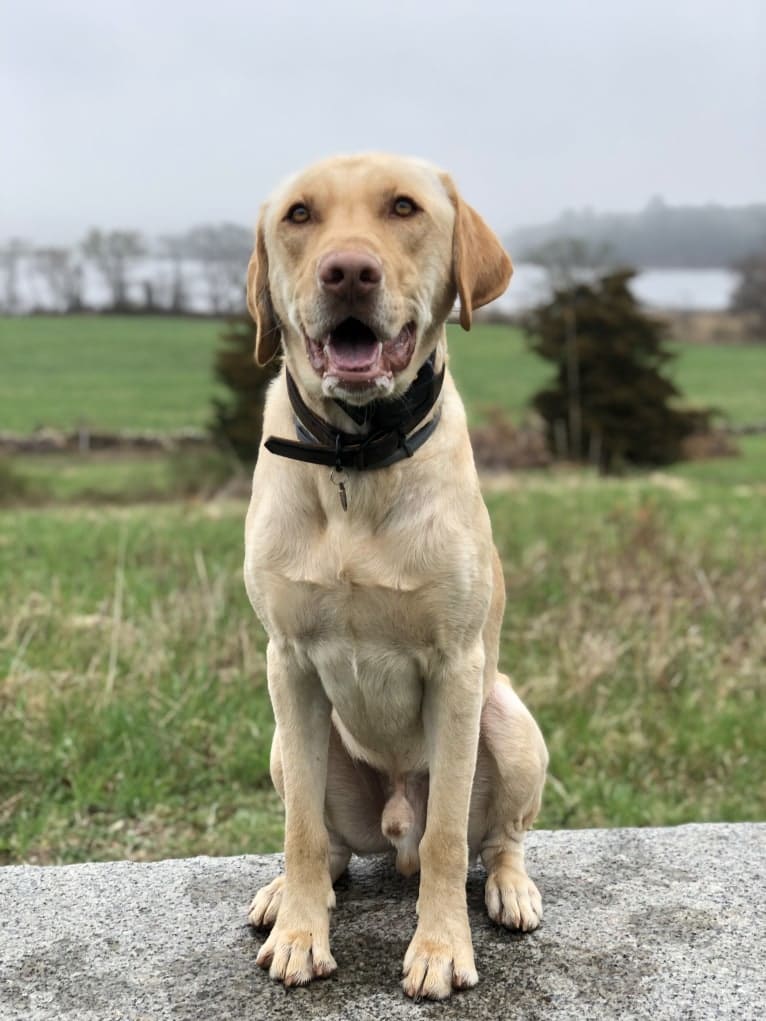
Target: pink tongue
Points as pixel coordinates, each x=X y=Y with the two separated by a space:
x=353 y=355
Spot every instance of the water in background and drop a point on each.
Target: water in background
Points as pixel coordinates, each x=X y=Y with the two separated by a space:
x=683 y=289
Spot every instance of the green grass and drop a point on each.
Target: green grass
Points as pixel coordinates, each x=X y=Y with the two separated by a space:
x=492 y=365
x=635 y=633
x=156 y=373
x=749 y=467
x=730 y=377
x=109 y=478
x=109 y=372
x=495 y=369
x=133 y=713
x=133 y=709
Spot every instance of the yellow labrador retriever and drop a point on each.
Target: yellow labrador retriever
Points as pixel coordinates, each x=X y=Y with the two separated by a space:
x=370 y=562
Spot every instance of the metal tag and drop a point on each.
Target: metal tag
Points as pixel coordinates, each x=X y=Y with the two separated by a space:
x=341 y=484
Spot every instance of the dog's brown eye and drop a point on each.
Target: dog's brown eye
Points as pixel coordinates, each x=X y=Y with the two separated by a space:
x=298 y=213
x=404 y=206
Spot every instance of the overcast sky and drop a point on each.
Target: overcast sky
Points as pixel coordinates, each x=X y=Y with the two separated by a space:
x=158 y=115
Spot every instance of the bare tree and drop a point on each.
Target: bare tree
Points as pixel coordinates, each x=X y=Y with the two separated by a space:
x=749 y=298
x=568 y=260
x=62 y=272
x=222 y=251
x=113 y=253
x=10 y=259
x=173 y=248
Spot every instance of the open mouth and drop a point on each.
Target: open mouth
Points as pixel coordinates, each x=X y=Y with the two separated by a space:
x=353 y=347
x=353 y=353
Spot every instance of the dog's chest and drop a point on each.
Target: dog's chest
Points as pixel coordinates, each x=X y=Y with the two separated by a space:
x=310 y=579
x=361 y=597
x=367 y=614
x=376 y=689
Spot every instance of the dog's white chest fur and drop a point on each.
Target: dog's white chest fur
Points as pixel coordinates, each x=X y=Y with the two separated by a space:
x=369 y=612
x=376 y=690
x=362 y=620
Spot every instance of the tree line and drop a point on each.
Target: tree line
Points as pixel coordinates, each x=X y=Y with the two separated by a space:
x=200 y=269
x=661 y=236
x=203 y=269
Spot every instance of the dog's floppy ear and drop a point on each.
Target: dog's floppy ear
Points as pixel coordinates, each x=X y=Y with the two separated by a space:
x=259 y=300
x=480 y=265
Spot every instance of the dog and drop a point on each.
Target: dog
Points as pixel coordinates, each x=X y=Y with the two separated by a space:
x=370 y=563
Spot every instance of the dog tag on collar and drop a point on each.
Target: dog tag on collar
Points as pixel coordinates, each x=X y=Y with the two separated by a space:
x=342 y=495
x=341 y=484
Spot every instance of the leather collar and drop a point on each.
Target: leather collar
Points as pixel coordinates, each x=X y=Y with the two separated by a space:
x=389 y=437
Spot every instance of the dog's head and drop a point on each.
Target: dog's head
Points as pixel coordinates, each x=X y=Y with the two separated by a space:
x=357 y=263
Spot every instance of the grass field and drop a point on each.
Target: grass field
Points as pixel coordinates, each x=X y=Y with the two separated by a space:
x=134 y=719
x=156 y=373
x=111 y=372
x=134 y=714
x=731 y=378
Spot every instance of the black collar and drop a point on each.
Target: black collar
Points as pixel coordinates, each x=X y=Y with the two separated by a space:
x=389 y=425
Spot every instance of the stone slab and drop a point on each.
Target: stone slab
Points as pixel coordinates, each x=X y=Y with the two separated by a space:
x=641 y=923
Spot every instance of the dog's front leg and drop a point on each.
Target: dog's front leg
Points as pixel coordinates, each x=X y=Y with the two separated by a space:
x=298 y=948
x=440 y=956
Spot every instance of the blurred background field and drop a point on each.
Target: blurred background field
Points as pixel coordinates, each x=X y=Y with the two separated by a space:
x=143 y=138
x=134 y=716
x=116 y=372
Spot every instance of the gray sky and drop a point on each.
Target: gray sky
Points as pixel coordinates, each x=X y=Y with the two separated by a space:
x=162 y=114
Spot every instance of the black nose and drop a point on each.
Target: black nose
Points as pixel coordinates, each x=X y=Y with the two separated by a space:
x=346 y=274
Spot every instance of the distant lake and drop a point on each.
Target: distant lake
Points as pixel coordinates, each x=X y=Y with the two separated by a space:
x=687 y=289
x=690 y=289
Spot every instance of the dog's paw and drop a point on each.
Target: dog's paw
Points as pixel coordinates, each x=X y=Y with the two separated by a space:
x=513 y=900
x=295 y=956
x=265 y=906
x=435 y=965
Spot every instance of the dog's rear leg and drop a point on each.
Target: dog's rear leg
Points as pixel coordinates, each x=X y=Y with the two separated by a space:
x=511 y=771
x=264 y=908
